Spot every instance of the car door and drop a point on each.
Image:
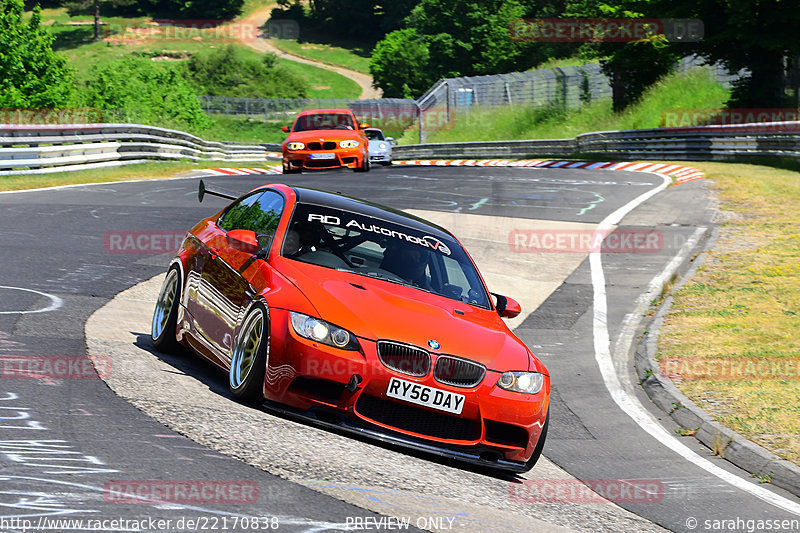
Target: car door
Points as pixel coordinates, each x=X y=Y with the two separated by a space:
x=223 y=294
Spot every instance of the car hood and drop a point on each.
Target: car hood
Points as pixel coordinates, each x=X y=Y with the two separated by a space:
x=375 y=309
x=325 y=135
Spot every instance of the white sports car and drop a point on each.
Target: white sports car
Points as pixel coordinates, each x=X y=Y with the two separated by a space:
x=380 y=147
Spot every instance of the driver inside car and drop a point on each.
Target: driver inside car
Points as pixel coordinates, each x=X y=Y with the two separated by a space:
x=303 y=238
x=410 y=262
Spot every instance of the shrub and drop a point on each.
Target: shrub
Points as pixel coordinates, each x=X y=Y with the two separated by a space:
x=229 y=72
x=139 y=90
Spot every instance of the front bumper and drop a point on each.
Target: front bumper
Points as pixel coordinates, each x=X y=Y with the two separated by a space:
x=332 y=420
x=305 y=159
x=496 y=427
x=380 y=158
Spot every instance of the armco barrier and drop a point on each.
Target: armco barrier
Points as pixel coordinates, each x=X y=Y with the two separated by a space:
x=32 y=149
x=36 y=149
x=487 y=149
x=699 y=143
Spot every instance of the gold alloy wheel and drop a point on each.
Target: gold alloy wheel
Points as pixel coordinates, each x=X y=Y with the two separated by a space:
x=246 y=349
x=164 y=304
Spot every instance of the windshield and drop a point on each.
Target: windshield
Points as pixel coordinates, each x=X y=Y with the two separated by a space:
x=324 y=121
x=379 y=249
x=374 y=135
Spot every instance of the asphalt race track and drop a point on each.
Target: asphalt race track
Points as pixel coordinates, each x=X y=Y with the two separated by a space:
x=66 y=445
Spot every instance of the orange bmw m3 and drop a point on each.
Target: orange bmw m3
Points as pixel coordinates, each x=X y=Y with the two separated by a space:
x=356 y=316
x=324 y=139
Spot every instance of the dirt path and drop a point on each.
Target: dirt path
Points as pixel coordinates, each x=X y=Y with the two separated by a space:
x=251 y=39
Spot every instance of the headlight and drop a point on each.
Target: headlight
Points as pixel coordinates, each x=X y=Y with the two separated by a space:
x=295 y=146
x=382 y=146
x=525 y=382
x=321 y=331
x=348 y=144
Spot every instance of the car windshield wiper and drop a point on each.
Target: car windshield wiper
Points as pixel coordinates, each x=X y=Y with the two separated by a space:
x=383 y=277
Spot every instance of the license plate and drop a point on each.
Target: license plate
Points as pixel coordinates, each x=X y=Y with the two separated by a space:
x=323 y=156
x=423 y=395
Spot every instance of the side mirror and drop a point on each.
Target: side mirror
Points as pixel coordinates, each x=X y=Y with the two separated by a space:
x=363 y=125
x=507 y=307
x=390 y=140
x=285 y=129
x=243 y=240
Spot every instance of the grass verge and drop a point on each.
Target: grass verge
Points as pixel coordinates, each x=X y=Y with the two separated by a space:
x=323 y=83
x=694 y=89
x=125 y=173
x=126 y=36
x=237 y=128
x=731 y=341
x=354 y=57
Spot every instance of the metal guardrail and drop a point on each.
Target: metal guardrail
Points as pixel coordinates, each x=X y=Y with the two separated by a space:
x=486 y=149
x=38 y=149
x=34 y=149
x=700 y=143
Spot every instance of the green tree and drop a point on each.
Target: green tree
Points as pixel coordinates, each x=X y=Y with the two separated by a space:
x=399 y=64
x=393 y=14
x=202 y=9
x=288 y=9
x=353 y=19
x=631 y=66
x=472 y=38
x=459 y=38
x=757 y=35
x=359 y=20
x=32 y=75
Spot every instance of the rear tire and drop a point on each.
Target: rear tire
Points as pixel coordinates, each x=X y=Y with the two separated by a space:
x=163 y=330
x=537 y=452
x=250 y=356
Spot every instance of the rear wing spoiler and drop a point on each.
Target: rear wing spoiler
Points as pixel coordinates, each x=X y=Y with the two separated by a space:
x=222 y=193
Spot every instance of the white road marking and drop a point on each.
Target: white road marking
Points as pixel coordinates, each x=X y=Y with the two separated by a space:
x=55 y=302
x=627 y=401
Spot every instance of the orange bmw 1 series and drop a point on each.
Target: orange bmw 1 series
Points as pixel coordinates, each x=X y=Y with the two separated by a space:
x=325 y=139
x=360 y=317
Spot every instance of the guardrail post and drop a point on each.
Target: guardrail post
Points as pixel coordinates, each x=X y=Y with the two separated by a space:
x=419 y=123
x=447 y=99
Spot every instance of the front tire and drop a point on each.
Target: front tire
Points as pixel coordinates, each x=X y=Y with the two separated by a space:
x=250 y=355
x=287 y=169
x=163 y=331
x=365 y=165
x=537 y=452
